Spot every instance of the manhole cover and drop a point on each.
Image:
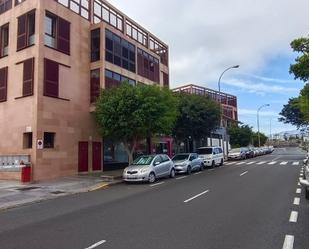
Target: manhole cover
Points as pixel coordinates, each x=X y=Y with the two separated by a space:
x=57 y=192
x=27 y=188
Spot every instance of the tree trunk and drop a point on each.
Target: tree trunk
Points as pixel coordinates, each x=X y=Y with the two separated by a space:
x=130 y=149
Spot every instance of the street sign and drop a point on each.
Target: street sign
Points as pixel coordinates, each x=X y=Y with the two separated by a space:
x=40 y=144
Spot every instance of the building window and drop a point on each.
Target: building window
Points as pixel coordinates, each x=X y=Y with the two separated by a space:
x=94 y=85
x=80 y=7
x=19 y=1
x=119 y=51
x=5 y=5
x=49 y=140
x=3 y=84
x=27 y=140
x=148 y=66
x=51 y=78
x=28 y=77
x=4 y=40
x=166 y=82
x=113 y=79
x=26 y=30
x=95 y=45
x=160 y=49
x=57 y=33
x=137 y=33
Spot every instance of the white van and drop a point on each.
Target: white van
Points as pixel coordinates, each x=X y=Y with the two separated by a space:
x=212 y=156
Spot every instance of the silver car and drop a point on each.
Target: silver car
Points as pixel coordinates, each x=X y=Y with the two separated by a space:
x=187 y=162
x=305 y=181
x=149 y=168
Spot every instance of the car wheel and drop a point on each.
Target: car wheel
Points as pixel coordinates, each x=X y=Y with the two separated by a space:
x=213 y=164
x=189 y=170
x=221 y=164
x=307 y=193
x=172 y=174
x=202 y=167
x=152 y=177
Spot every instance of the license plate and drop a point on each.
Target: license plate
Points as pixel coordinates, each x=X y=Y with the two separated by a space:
x=132 y=177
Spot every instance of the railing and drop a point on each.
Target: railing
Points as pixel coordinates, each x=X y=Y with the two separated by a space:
x=13 y=162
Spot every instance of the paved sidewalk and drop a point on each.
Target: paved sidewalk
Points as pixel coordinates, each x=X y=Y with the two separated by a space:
x=13 y=193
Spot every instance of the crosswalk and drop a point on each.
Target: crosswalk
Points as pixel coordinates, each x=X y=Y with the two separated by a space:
x=281 y=163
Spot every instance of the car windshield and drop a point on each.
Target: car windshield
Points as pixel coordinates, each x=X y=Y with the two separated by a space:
x=235 y=150
x=204 y=151
x=180 y=157
x=143 y=160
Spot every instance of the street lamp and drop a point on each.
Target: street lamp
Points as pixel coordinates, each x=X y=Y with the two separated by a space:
x=258 y=121
x=219 y=82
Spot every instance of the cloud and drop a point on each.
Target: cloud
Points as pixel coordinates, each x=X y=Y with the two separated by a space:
x=274 y=80
x=251 y=112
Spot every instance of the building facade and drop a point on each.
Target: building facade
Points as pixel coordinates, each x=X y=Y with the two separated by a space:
x=229 y=115
x=55 y=56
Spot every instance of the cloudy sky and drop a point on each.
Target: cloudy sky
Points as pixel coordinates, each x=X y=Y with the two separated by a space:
x=207 y=36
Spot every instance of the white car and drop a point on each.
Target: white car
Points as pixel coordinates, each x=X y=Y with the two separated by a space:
x=212 y=156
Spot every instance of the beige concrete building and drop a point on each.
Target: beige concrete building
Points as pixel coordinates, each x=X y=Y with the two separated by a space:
x=55 y=55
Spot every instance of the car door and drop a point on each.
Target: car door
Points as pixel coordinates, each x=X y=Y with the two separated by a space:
x=166 y=164
x=195 y=161
x=215 y=155
x=158 y=166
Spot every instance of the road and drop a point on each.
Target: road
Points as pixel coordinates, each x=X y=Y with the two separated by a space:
x=250 y=204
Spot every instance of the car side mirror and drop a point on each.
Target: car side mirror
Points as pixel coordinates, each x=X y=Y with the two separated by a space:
x=156 y=163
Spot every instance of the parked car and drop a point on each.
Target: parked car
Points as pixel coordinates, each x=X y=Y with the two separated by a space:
x=249 y=152
x=237 y=154
x=212 y=156
x=149 y=168
x=305 y=181
x=187 y=162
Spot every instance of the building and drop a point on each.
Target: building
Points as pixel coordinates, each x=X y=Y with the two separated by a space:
x=229 y=114
x=55 y=56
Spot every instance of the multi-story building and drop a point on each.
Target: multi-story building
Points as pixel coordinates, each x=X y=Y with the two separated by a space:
x=229 y=112
x=55 y=56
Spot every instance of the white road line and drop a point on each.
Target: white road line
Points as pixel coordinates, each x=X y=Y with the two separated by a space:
x=296 y=163
x=182 y=177
x=244 y=173
x=298 y=191
x=251 y=163
x=298 y=184
x=198 y=173
x=196 y=196
x=284 y=163
x=293 y=216
x=231 y=163
x=301 y=175
x=296 y=201
x=96 y=244
x=212 y=170
x=240 y=163
x=156 y=184
x=288 y=242
x=272 y=163
x=260 y=163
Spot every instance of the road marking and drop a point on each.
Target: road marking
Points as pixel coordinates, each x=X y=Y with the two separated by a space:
x=260 y=163
x=288 y=242
x=197 y=173
x=293 y=216
x=298 y=191
x=231 y=163
x=298 y=184
x=240 y=163
x=296 y=163
x=301 y=175
x=96 y=244
x=272 y=163
x=296 y=201
x=211 y=169
x=196 y=196
x=284 y=163
x=156 y=184
x=182 y=177
x=244 y=173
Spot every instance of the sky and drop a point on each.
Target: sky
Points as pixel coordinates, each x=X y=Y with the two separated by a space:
x=207 y=36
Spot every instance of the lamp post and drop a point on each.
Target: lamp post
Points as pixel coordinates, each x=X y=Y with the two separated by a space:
x=219 y=82
x=258 y=121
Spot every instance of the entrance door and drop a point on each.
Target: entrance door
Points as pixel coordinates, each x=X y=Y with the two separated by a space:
x=96 y=156
x=83 y=157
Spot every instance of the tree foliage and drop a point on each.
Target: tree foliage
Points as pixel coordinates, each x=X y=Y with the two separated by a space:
x=304 y=103
x=301 y=67
x=128 y=114
x=198 y=117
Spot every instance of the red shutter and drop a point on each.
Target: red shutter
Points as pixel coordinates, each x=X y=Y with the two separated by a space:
x=1 y=28
x=22 y=32
x=3 y=83
x=63 y=38
x=28 y=77
x=51 y=78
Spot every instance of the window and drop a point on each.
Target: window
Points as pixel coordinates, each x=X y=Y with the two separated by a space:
x=119 y=51
x=57 y=33
x=80 y=7
x=49 y=140
x=51 y=78
x=28 y=77
x=5 y=5
x=27 y=140
x=26 y=30
x=4 y=40
x=148 y=66
x=95 y=45
x=3 y=84
x=18 y=2
x=113 y=79
x=165 y=79
x=94 y=85
x=137 y=33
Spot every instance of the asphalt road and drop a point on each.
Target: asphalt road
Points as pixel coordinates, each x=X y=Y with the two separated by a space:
x=248 y=204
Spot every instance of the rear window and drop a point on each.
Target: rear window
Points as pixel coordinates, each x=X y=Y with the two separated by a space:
x=180 y=157
x=204 y=151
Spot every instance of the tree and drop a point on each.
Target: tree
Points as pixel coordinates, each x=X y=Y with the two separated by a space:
x=128 y=114
x=304 y=103
x=301 y=67
x=255 y=139
x=240 y=136
x=198 y=117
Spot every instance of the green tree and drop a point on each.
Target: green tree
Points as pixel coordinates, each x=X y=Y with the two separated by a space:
x=304 y=103
x=255 y=139
x=292 y=114
x=198 y=117
x=128 y=114
x=240 y=136
x=301 y=67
